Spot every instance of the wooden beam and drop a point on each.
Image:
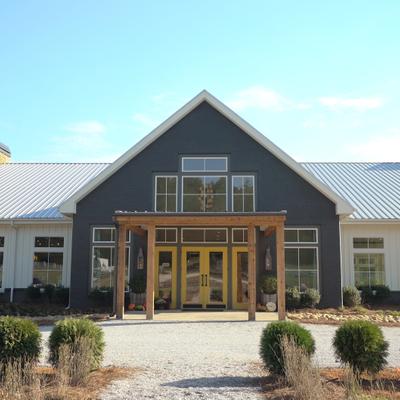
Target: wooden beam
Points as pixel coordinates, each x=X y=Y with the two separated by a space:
x=120 y=281
x=251 y=242
x=137 y=230
x=280 y=268
x=150 y=272
x=269 y=231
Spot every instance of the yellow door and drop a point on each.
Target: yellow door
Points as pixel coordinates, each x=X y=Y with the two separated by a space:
x=204 y=276
x=165 y=274
x=240 y=275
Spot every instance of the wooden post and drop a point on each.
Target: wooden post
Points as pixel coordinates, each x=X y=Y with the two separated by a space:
x=150 y=272
x=280 y=268
x=252 y=273
x=120 y=281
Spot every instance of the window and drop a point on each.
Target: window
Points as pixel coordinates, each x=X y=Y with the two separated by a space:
x=204 y=194
x=243 y=193
x=239 y=235
x=166 y=235
x=1 y=259
x=204 y=164
x=48 y=260
x=301 y=260
x=294 y=235
x=369 y=261
x=209 y=235
x=166 y=194
x=301 y=267
x=104 y=260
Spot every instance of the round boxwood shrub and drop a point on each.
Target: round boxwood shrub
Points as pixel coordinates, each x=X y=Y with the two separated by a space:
x=69 y=331
x=270 y=345
x=293 y=298
x=351 y=296
x=310 y=298
x=361 y=345
x=19 y=340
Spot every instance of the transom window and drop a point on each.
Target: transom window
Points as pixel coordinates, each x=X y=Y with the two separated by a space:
x=166 y=194
x=368 y=243
x=166 y=235
x=204 y=193
x=239 y=235
x=107 y=235
x=294 y=235
x=204 y=235
x=48 y=260
x=243 y=193
x=204 y=164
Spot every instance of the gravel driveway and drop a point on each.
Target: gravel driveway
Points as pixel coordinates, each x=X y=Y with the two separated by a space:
x=199 y=360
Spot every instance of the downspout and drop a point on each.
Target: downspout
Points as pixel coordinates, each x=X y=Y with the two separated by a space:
x=15 y=227
x=341 y=261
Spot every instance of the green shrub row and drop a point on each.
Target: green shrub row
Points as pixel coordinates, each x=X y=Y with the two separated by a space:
x=359 y=344
x=20 y=339
x=354 y=296
x=49 y=293
x=310 y=298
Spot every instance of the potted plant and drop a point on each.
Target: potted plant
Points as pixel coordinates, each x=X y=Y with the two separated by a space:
x=138 y=288
x=268 y=289
x=161 y=304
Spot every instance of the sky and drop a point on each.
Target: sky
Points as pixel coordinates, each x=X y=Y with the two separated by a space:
x=85 y=80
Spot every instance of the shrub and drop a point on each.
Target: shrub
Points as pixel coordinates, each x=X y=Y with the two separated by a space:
x=351 y=296
x=271 y=343
x=293 y=298
x=310 y=298
x=49 y=291
x=102 y=297
x=361 y=345
x=70 y=332
x=61 y=296
x=382 y=292
x=33 y=292
x=269 y=284
x=19 y=340
x=375 y=293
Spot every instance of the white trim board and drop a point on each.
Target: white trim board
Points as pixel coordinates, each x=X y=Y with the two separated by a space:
x=342 y=206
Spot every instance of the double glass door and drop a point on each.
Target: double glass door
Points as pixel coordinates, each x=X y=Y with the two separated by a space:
x=204 y=276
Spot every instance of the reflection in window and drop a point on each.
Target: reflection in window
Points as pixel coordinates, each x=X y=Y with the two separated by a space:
x=216 y=278
x=166 y=187
x=300 y=235
x=204 y=164
x=301 y=264
x=47 y=268
x=243 y=193
x=204 y=235
x=242 y=277
x=165 y=275
x=368 y=243
x=369 y=269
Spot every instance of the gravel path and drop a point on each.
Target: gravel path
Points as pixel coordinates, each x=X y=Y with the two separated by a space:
x=200 y=360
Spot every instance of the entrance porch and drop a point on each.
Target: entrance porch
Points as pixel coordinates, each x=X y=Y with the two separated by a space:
x=203 y=288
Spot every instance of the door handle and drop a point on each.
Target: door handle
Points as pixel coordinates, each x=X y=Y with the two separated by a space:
x=206 y=280
x=202 y=280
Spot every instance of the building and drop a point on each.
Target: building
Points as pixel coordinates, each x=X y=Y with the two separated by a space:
x=206 y=205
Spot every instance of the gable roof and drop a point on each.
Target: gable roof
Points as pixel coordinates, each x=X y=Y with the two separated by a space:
x=32 y=191
x=373 y=189
x=69 y=206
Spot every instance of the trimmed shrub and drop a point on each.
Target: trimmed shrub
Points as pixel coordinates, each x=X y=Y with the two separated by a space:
x=361 y=345
x=102 y=297
x=382 y=292
x=49 y=291
x=374 y=294
x=351 y=296
x=19 y=340
x=61 y=296
x=70 y=332
x=271 y=343
x=293 y=298
x=310 y=298
x=269 y=284
x=33 y=292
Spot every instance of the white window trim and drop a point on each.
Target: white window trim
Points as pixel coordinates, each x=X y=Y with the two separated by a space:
x=220 y=194
x=302 y=229
x=254 y=192
x=92 y=261
x=166 y=194
x=205 y=158
x=49 y=237
x=164 y=229
x=369 y=253
x=100 y=242
x=204 y=235
x=298 y=261
x=368 y=249
x=58 y=250
x=238 y=229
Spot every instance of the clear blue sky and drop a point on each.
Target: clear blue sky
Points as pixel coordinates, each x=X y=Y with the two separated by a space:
x=85 y=80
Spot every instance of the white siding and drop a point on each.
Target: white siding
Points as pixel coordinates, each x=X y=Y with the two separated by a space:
x=19 y=249
x=391 y=235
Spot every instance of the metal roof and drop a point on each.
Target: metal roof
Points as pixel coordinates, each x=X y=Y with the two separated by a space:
x=5 y=149
x=373 y=189
x=35 y=190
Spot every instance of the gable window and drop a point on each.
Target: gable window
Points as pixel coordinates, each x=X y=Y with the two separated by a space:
x=104 y=250
x=243 y=193
x=301 y=259
x=166 y=194
x=204 y=193
x=48 y=260
x=369 y=261
x=1 y=259
x=204 y=164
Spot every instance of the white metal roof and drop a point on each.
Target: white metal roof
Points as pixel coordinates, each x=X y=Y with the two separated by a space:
x=342 y=206
x=373 y=189
x=36 y=190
